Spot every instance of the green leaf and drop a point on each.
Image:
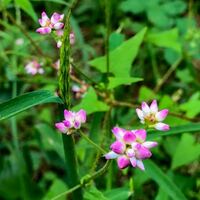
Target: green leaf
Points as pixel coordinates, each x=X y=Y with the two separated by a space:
x=91 y=104
x=118 y=193
x=133 y=6
x=56 y=188
x=50 y=139
x=122 y=57
x=27 y=7
x=175 y=7
x=93 y=193
x=186 y=151
x=160 y=19
x=193 y=127
x=188 y=107
x=115 y=40
x=146 y=94
x=23 y=102
x=163 y=180
x=114 y=82
x=167 y=38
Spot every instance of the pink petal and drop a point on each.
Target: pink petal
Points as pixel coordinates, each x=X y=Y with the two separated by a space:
x=129 y=137
x=56 y=17
x=142 y=152
x=140 y=114
x=123 y=162
x=69 y=116
x=44 y=30
x=154 y=106
x=81 y=116
x=133 y=161
x=111 y=155
x=150 y=144
x=140 y=135
x=118 y=147
x=67 y=123
x=77 y=124
x=140 y=165
x=162 y=127
x=61 y=127
x=160 y=116
x=59 y=32
x=58 y=25
x=118 y=132
x=145 y=108
x=44 y=19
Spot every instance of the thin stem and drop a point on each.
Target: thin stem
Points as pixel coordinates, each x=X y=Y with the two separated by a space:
x=67 y=192
x=82 y=74
x=92 y=143
x=107 y=16
x=85 y=180
x=168 y=74
x=64 y=88
x=37 y=48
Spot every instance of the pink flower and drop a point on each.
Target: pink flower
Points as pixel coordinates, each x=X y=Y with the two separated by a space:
x=34 y=68
x=72 y=121
x=48 y=24
x=150 y=116
x=130 y=148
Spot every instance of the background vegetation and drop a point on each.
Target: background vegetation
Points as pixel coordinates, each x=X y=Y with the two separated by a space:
x=155 y=54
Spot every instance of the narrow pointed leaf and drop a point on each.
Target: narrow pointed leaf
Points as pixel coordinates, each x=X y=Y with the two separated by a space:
x=193 y=127
x=163 y=181
x=23 y=102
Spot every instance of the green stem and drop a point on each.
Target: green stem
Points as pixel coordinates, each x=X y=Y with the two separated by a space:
x=85 y=180
x=92 y=143
x=84 y=75
x=107 y=16
x=64 y=88
x=167 y=74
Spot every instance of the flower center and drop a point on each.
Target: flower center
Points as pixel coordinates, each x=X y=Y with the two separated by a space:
x=150 y=119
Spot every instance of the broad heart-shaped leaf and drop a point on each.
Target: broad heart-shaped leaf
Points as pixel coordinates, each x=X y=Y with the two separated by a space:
x=167 y=39
x=193 y=127
x=114 y=82
x=163 y=180
x=186 y=151
x=23 y=102
x=27 y=7
x=122 y=57
x=91 y=104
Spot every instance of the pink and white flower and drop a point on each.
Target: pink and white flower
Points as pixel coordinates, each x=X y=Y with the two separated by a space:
x=71 y=38
x=72 y=121
x=34 y=68
x=48 y=24
x=130 y=148
x=153 y=118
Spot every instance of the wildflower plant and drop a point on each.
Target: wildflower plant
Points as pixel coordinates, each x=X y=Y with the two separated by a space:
x=89 y=107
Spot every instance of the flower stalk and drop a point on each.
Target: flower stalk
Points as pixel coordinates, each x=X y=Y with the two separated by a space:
x=64 y=88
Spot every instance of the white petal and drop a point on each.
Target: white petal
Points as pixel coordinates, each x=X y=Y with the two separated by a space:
x=154 y=106
x=111 y=155
x=145 y=108
x=140 y=165
x=140 y=114
x=150 y=144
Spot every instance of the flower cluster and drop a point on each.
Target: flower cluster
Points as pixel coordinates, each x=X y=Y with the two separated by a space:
x=130 y=148
x=48 y=24
x=54 y=23
x=72 y=121
x=153 y=118
x=34 y=68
